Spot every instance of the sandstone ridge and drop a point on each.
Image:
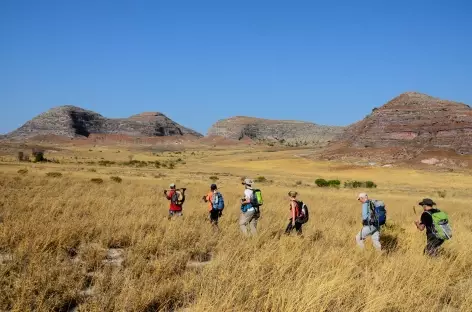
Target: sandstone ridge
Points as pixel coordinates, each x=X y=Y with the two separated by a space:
x=75 y=122
x=239 y=127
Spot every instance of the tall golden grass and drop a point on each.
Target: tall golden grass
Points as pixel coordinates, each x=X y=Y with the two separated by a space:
x=57 y=235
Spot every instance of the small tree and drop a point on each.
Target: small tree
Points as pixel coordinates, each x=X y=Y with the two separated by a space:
x=38 y=155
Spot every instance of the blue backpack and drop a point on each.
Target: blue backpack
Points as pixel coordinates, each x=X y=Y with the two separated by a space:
x=379 y=213
x=218 y=202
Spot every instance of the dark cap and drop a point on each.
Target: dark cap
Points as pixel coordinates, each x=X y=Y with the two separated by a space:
x=427 y=202
x=213 y=187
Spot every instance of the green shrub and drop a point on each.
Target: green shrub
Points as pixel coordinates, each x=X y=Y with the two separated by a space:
x=321 y=183
x=54 y=174
x=38 y=155
x=116 y=179
x=97 y=180
x=214 y=178
x=358 y=184
x=370 y=184
x=334 y=183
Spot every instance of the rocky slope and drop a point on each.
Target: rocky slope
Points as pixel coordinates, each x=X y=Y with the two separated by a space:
x=75 y=122
x=278 y=130
x=412 y=121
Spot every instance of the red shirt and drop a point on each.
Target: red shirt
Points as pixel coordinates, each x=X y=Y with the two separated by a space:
x=172 y=206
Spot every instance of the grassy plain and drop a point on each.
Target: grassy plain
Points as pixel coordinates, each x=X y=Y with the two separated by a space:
x=68 y=244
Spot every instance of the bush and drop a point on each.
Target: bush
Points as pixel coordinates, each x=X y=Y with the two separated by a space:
x=96 y=180
x=22 y=157
x=23 y=171
x=116 y=179
x=442 y=193
x=357 y=184
x=260 y=179
x=321 y=183
x=54 y=174
x=214 y=178
x=334 y=183
x=298 y=182
x=38 y=155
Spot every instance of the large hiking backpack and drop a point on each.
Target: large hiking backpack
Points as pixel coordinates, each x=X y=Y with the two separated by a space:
x=178 y=197
x=441 y=228
x=303 y=215
x=218 y=202
x=379 y=213
x=256 y=198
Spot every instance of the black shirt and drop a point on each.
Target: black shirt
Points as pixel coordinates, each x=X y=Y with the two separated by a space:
x=427 y=220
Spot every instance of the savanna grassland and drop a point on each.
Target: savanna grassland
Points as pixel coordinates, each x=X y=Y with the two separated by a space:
x=70 y=243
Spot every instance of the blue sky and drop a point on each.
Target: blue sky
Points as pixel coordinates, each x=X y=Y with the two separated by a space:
x=328 y=62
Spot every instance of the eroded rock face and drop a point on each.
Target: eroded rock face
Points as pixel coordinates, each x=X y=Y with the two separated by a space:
x=71 y=121
x=414 y=120
x=256 y=128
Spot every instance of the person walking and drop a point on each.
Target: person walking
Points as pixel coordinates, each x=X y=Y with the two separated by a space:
x=294 y=213
x=249 y=214
x=436 y=224
x=215 y=204
x=176 y=198
x=369 y=228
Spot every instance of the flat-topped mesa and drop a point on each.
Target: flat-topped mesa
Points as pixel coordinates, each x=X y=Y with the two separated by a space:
x=71 y=121
x=239 y=127
x=414 y=120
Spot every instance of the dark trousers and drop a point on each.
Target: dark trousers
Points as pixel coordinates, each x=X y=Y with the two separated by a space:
x=297 y=227
x=214 y=216
x=432 y=245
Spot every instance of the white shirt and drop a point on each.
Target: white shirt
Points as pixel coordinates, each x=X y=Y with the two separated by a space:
x=248 y=194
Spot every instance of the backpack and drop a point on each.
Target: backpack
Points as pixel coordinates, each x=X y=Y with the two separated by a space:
x=218 y=202
x=178 y=197
x=441 y=228
x=256 y=198
x=303 y=215
x=379 y=213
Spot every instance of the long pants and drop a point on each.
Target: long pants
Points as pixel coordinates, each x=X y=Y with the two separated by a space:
x=214 y=216
x=373 y=232
x=432 y=245
x=297 y=227
x=250 y=218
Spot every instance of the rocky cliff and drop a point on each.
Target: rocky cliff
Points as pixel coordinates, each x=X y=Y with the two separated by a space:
x=71 y=121
x=278 y=130
x=413 y=121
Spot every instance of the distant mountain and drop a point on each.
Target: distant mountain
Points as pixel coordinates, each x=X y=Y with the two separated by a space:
x=277 y=130
x=412 y=121
x=75 y=122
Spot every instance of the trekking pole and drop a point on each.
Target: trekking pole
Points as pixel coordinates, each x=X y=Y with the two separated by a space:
x=414 y=210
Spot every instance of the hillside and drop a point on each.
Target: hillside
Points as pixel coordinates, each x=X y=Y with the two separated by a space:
x=240 y=127
x=410 y=122
x=75 y=122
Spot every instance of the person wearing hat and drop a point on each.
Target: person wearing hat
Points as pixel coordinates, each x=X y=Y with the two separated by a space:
x=249 y=214
x=174 y=208
x=213 y=213
x=426 y=222
x=294 y=212
x=368 y=228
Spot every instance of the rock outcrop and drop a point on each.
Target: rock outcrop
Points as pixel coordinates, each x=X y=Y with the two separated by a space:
x=240 y=127
x=412 y=121
x=75 y=122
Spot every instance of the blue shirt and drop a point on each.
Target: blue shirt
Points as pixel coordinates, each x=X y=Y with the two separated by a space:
x=366 y=210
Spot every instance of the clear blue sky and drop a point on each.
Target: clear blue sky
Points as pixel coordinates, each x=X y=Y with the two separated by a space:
x=329 y=62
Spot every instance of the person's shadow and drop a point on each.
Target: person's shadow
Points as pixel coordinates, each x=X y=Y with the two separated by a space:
x=389 y=242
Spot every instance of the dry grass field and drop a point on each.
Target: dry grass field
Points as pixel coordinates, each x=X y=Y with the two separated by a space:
x=70 y=244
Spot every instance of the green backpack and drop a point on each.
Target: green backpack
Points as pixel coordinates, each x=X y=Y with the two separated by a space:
x=256 y=198
x=441 y=228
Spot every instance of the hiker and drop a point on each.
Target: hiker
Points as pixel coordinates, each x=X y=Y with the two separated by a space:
x=176 y=197
x=295 y=212
x=369 y=228
x=436 y=224
x=215 y=204
x=250 y=212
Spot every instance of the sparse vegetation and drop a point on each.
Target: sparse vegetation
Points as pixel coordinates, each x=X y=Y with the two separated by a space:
x=442 y=194
x=54 y=174
x=358 y=184
x=327 y=183
x=23 y=171
x=260 y=179
x=214 y=178
x=116 y=179
x=96 y=180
